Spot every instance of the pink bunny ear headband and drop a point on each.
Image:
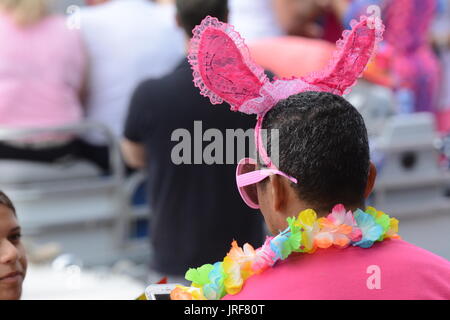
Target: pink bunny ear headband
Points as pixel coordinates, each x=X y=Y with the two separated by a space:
x=224 y=71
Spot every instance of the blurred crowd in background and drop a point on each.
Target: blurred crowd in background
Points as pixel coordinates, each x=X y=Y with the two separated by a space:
x=89 y=72
x=68 y=71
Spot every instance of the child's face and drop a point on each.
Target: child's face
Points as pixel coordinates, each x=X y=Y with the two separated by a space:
x=13 y=262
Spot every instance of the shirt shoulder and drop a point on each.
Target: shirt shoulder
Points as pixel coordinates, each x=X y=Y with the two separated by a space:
x=149 y=106
x=157 y=89
x=404 y=271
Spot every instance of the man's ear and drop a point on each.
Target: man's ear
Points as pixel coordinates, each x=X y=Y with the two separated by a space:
x=370 y=180
x=279 y=193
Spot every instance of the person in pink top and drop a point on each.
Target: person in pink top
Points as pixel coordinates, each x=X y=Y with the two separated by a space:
x=391 y=270
x=42 y=67
x=310 y=181
x=42 y=72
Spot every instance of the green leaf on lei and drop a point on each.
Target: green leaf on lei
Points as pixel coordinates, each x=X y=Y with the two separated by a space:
x=291 y=222
x=384 y=221
x=199 y=276
x=292 y=244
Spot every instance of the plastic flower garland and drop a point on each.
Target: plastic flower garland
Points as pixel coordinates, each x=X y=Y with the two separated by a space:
x=305 y=234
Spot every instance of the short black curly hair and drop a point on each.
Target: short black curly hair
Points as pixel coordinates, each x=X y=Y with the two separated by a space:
x=323 y=143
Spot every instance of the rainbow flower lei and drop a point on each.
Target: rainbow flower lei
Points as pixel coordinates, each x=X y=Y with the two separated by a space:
x=305 y=234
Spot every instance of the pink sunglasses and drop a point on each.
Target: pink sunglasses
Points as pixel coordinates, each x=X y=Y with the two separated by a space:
x=247 y=176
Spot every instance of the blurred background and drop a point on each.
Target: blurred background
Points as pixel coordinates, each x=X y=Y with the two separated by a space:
x=67 y=72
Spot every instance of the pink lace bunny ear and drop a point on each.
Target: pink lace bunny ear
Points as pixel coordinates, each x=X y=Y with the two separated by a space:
x=224 y=71
x=222 y=67
x=351 y=58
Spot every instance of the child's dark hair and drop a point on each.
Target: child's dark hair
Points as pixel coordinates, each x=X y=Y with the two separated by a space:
x=4 y=200
x=323 y=144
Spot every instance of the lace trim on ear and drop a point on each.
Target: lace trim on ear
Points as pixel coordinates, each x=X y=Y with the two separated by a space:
x=272 y=92
x=195 y=51
x=349 y=61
